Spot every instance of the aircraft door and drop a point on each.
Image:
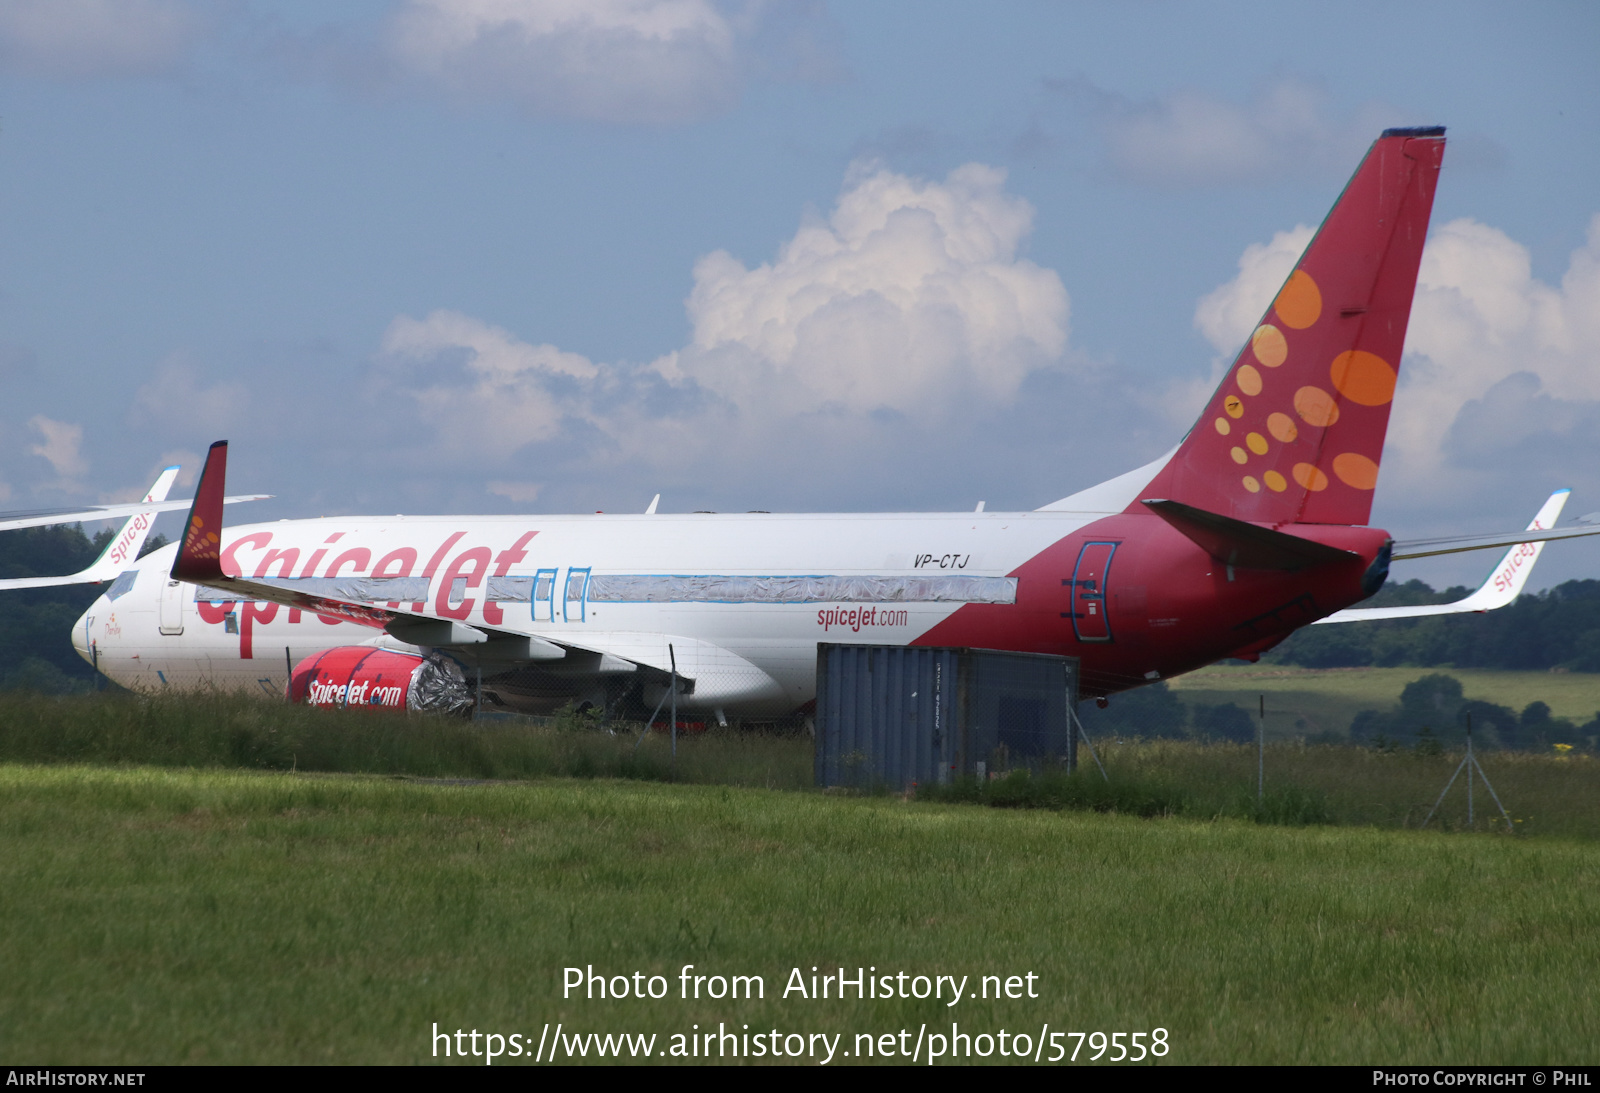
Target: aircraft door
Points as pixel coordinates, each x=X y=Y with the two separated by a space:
x=544 y=596
x=572 y=609
x=1089 y=620
x=171 y=615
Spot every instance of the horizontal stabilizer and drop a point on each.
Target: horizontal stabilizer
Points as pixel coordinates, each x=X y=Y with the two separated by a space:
x=1248 y=546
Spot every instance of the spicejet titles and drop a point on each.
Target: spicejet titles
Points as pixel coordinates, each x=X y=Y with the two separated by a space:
x=471 y=563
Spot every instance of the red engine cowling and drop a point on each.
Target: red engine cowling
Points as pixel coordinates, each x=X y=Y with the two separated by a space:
x=359 y=675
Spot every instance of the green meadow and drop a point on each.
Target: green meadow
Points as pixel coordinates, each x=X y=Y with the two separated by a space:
x=178 y=886
x=1307 y=701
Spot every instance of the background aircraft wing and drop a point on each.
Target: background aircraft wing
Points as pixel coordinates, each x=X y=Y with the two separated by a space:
x=122 y=549
x=1503 y=584
x=33 y=518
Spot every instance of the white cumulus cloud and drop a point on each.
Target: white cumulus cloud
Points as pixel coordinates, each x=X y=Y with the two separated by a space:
x=480 y=389
x=910 y=297
x=909 y=300
x=1481 y=317
x=61 y=446
x=646 y=61
x=1228 y=314
x=1501 y=376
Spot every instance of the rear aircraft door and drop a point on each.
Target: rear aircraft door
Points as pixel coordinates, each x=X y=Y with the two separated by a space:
x=544 y=596
x=172 y=607
x=1088 y=600
x=573 y=607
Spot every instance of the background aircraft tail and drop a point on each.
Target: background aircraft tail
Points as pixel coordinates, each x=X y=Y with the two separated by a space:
x=1295 y=432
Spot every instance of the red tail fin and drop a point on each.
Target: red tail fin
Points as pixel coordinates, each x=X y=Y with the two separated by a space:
x=1295 y=432
x=200 y=548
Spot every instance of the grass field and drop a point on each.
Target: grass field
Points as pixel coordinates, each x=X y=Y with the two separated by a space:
x=182 y=916
x=216 y=879
x=1306 y=701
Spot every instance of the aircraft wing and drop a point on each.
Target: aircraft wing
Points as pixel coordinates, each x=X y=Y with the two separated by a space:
x=1502 y=586
x=33 y=518
x=367 y=600
x=122 y=549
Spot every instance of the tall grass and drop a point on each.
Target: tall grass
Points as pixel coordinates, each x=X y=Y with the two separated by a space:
x=1305 y=784
x=221 y=916
x=222 y=729
x=1308 y=784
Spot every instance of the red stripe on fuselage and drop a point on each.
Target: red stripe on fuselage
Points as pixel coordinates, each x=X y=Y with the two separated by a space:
x=1170 y=606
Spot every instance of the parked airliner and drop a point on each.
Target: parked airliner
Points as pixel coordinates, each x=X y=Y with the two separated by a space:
x=1255 y=524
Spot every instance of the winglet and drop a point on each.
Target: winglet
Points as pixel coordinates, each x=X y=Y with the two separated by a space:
x=1501 y=587
x=122 y=549
x=199 y=555
x=124 y=546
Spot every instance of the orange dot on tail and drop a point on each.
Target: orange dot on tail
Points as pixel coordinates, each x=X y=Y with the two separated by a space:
x=1223 y=427
x=1251 y=484
x=1356 y=470
x=1281 y=426
x=1316 y=407
x=1234 y=405
x=1248 y=379
x=1256 y=443
x=1310 y=477
x=1269 y=346
x=1275 y=482
x=1299 y=303
x=1363 y=377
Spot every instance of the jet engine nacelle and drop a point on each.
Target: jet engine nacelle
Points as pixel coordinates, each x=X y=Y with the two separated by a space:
x=360 y=675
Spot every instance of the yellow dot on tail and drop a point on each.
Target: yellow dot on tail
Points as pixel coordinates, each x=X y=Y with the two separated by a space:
x=1363 y=377
x=1310 y=477
x=1248 y=379
x=1269 y=345
x=1223 y=427
x=1299 y=303
x=1281 y=426
x=1275 y=481
x=1356 y=470
x=1251 y=484
x=1239 y=456
x=1316 y=407
x=1256 y=443
x=1234 y=405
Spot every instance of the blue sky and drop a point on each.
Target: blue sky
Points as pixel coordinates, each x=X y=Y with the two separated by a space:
x=541 y=255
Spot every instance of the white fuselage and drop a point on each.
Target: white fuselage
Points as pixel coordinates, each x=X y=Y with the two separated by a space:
x=755 y=654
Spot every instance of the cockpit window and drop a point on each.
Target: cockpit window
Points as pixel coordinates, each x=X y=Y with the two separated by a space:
x=123 y=584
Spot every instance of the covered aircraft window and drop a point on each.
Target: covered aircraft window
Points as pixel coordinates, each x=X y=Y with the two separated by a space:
x=622 y=588
x=123 y=584
x=510 y=589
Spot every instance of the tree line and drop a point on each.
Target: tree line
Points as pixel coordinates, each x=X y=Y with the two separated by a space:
x=36 y=650
x=1557 y=629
